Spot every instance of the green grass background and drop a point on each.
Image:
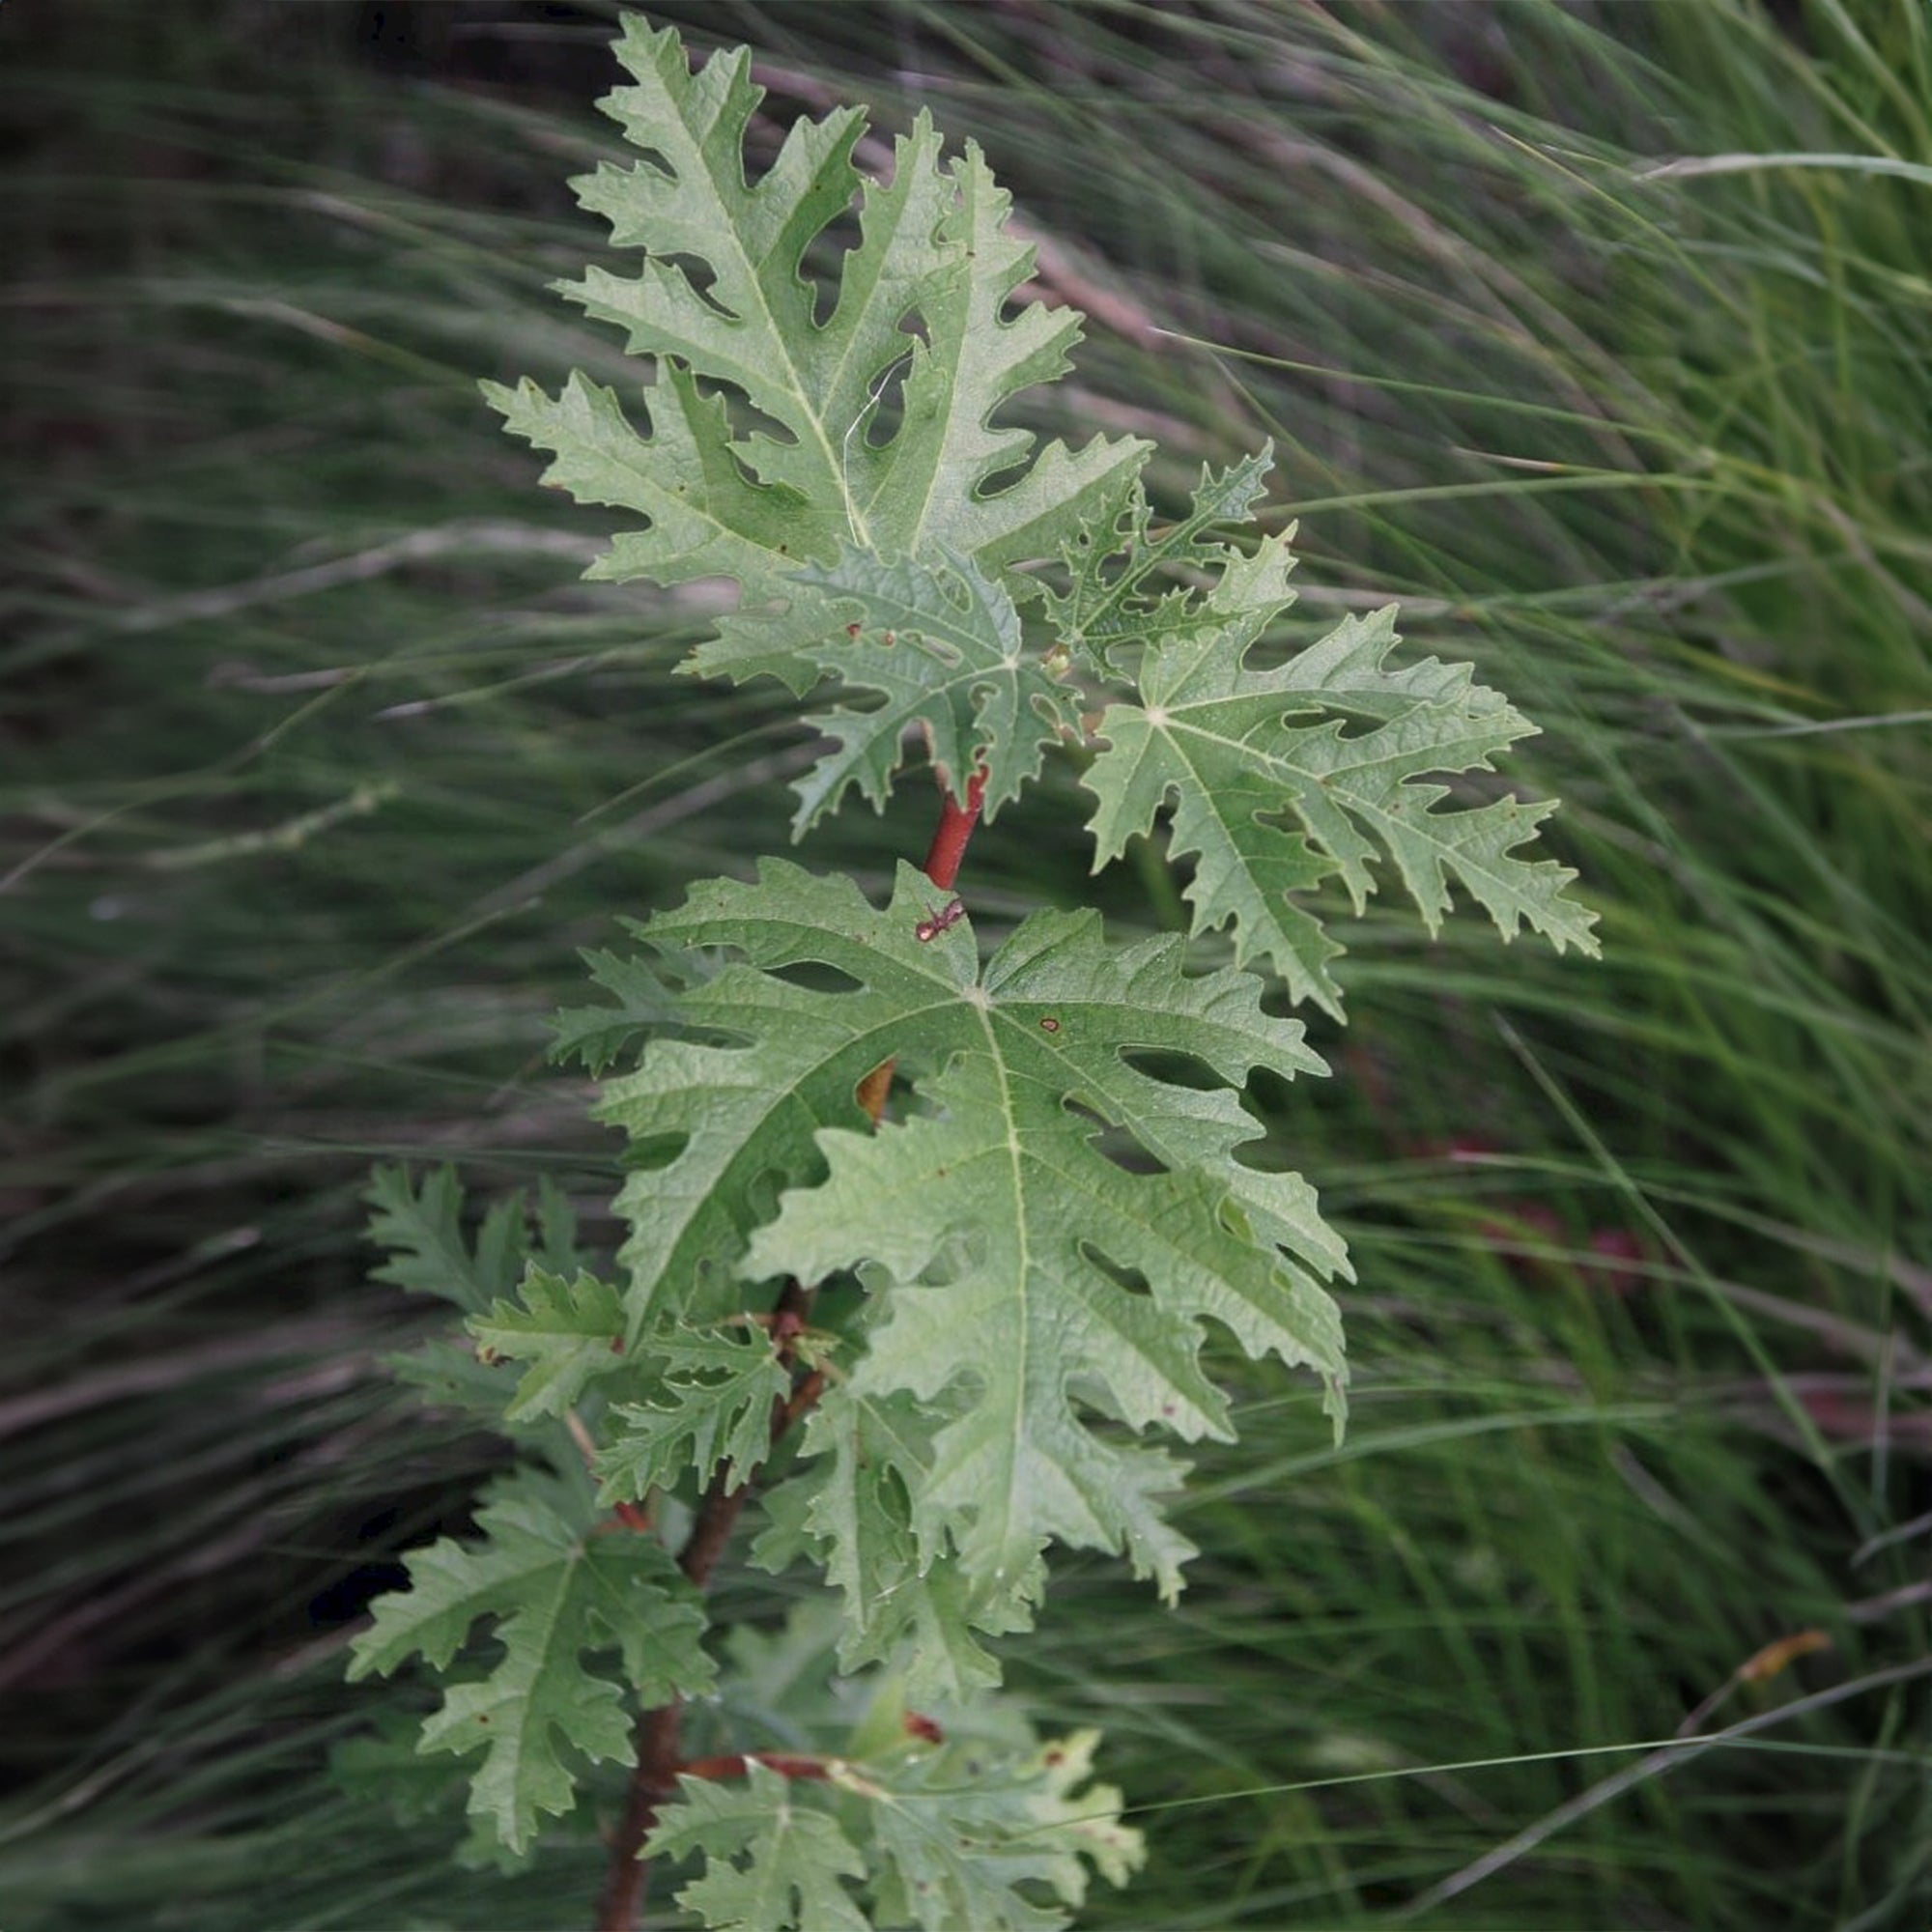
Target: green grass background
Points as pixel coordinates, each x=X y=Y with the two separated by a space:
x=318 y=762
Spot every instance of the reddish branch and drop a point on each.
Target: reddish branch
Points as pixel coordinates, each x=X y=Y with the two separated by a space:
x=955 y=828
x=942 y=866
x=658 y=1760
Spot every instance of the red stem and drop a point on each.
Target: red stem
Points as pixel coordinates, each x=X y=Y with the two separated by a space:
x=956 y=827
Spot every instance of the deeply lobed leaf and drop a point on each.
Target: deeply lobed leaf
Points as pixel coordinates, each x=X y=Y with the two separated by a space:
x=958 y=1848
x=940 y=642
x=568 y=1330
x=559 y=1592
x=873 y=1825
x=1339 y=739
x=1004 y=1195
x=772 y=1865
x=851 y=1509
x=713 y=1405
x=776 y=454
x=419 y=1230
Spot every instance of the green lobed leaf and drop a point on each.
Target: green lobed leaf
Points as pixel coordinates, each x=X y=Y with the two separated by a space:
x=1114 y=599
x=570 y=1331
x=796 y=456
x=940 y=642
x=958 y=1837
x=742 y=1107
x=772 y=1864
x=1009 y=1236
x=420 y=1230
x=1349 y=746
x=714 y=1405
x=849 y=1508
x=557 y=1592
x=597 y=1036
x=972 y=1834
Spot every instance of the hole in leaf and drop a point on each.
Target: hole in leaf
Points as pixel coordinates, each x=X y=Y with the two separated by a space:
x=1003 y=479
x=703 y=280
x=654 y=1151
x=1274 y=1094
x=956 y=1256
x=1174 y=1069
x=745 y=419
x=887 y=410
x=824 y=268
x=1130 y=1280
x=1117 y=1144
x=1262 y=1155
x=816 y=977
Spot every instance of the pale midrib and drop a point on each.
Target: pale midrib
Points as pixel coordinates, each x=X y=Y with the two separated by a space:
x=1022 y=1280
x=834 y=466
x=513 y=1738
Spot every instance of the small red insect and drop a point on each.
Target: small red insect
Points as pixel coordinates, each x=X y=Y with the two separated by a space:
x=949 y=916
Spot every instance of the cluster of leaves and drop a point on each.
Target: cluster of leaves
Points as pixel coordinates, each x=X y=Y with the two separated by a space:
x=1017 y=1270
x=873 y=1816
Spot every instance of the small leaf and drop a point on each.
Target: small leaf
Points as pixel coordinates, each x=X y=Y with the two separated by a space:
x=715 y=1406
x=849 y=1509
x=941 y=642
x=421 y=1229
x=556 y=1591
x=1114 y=599
x=958 y=1845
x=1233 y=748
x=570 y=1331
x=773 y=1864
